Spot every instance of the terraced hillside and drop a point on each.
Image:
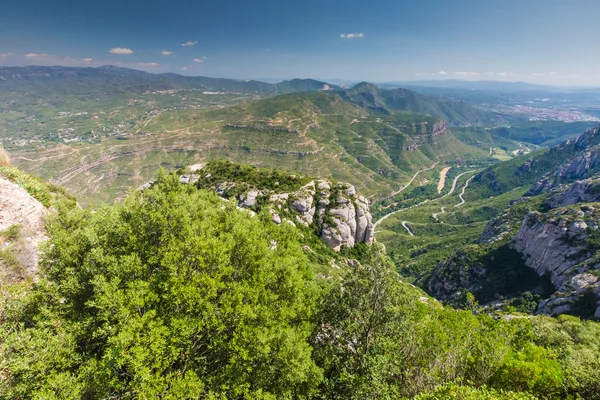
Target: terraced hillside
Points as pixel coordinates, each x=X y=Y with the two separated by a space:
x=317 y=133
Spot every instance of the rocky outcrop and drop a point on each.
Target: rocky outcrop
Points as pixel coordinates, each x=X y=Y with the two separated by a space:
x=339 y=215
x=560 y=244
x=585 y=191
x=351 y=220
x=583 y=165
x=24 y=216
x=439 y=129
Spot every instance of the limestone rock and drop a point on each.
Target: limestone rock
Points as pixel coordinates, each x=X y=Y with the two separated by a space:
x=249 y=199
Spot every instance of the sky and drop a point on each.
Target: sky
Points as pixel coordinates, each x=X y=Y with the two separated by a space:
x=540 y=41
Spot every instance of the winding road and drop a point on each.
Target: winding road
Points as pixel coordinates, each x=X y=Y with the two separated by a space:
x=412 y=179
x=462 y=199
x=407 y=228
x=452 y=189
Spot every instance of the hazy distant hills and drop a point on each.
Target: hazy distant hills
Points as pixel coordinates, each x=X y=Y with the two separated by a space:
x=459 y=113
x=497 y=86
x=114 y=81
x=304 y=85
x=77 y=79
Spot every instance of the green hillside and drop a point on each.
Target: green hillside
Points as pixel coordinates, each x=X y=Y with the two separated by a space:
x=317 y=133
x=175 y=293
x=489 y=192
x=455 y=113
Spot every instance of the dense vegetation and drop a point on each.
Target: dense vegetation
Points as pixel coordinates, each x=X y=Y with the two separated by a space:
x=175 y=294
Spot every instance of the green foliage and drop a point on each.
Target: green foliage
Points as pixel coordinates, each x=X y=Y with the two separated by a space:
x=531 y=369
x=175 y=294
x=577 y=346
x=375 y=339
x=166 y=295
x=45 y=193
x=457 y=392
x=218 y=171
x=13 y=232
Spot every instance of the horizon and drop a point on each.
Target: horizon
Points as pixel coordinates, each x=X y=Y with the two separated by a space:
x=334 y=81
x=546 y=42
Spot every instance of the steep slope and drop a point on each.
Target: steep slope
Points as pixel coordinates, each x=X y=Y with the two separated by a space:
x=552 y=231
x=25 y=202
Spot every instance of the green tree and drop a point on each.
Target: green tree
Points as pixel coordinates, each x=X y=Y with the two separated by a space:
x=171 y=294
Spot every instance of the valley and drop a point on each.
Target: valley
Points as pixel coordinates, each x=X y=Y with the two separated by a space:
x=437 y=202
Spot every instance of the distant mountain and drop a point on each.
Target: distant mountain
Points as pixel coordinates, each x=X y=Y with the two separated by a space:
x=304 y=85
x=316 y=133
x=372 y=97
x=497 y=86
x=77 y=79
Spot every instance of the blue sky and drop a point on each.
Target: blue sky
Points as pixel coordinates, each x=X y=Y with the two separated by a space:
x=541 y=41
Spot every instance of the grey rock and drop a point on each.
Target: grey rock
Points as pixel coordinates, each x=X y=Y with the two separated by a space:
x=249 y=199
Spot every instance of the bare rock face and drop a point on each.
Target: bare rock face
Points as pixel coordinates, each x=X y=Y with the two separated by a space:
x=585 y=191
x=352 y=221
x=557 y=244
x=18 y=208
x=249 y=199
x=578 y=167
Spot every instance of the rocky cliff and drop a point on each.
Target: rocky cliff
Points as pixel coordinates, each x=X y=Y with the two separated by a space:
x=583 y=164
x=339 y=215
x=563 y=245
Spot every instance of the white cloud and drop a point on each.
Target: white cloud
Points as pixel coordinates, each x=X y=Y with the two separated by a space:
x=166 y=53
x=462 y=73
x=539 y=74
x=148 y=64
x=442 y=73
x=5 y=55
x=35 y=55
x=199 y=60
x=421 y=73
x=120 y=50
x=352 y=35
x=507 y=73
x=552 y=73
x=86 y=60
x=184 y=68
x=190 y=43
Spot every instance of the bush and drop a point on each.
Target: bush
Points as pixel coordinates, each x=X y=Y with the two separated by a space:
x=168 y=295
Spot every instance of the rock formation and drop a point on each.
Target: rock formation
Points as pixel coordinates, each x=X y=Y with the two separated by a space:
x=25 y=215
x=559 y=244
x=339 y=215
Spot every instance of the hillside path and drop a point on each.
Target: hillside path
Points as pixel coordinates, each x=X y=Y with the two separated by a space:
x=412 y=179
